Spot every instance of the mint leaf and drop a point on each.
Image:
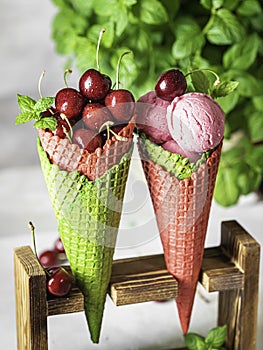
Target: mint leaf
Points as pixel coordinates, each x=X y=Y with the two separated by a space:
x=26 y=104
x=194 y=341
x=216 y=337
x=224 y=88
x=43 y=104
x=33 y=110
x=46 y=123
x=24 y=117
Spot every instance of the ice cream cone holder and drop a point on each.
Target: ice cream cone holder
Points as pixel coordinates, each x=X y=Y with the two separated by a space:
x=232 y=269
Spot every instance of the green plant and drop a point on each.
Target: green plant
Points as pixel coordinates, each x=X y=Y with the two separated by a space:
x=222 y=35
x=215 y=339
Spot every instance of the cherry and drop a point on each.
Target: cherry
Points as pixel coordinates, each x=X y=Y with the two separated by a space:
x=49 y=258
x=121 y=104
x=87 y=139
x=94 y=85
x=59 y=246
x=94 y=115
x=70 y=102
x=62 y=128
x=170 y=84
x=59 y=281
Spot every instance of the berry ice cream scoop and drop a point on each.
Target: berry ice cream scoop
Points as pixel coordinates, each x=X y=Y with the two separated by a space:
x=195 y=122
x=151 y=117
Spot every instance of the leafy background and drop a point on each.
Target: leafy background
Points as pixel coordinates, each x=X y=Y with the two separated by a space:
x=222 y=35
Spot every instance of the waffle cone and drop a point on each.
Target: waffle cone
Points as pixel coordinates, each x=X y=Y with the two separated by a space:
x=71 y=157
x=87 y=212
x=182 y=209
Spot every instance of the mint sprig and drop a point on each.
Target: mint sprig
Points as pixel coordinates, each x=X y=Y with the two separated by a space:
x=214 y=340
x=33 y=110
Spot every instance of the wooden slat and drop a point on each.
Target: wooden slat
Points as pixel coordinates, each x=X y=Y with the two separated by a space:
x=143 y=279
x=219 y=272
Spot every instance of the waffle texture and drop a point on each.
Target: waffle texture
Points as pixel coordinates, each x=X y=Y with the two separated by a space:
x=87 y=211
x=182 y=209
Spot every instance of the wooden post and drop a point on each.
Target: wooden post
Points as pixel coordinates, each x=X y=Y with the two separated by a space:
x=31 y=307
x=238 y=307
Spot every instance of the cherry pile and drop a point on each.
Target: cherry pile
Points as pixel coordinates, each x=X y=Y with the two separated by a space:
x=83 y=115
x=59 y=280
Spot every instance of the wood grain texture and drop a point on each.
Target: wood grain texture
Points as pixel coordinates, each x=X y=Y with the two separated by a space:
x=31 y=309
x=232 y=269
x=239 y=308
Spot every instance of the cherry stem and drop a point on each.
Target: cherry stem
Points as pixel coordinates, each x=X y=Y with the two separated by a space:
x=108 y=124
x=32 y=229
x=69 y=136
x=98 y=48
x=118 y=67
x=39 y=84
x=217 y=81
x=67 y=71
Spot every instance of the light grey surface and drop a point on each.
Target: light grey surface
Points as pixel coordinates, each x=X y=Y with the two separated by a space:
x=27 y=50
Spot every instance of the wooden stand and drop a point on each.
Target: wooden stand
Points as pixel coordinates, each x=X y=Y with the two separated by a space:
x=232 y=269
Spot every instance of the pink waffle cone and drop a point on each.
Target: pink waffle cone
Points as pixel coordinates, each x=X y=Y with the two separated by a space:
x=71 y=157
x=182 y=210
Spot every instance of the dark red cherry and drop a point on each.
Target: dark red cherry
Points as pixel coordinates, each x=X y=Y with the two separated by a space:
x=59 y=281
x=94 y=85
x=170 y=84
x=121 y=104
x=69 y=102
x=94 y=115
x=59 y=246
x=87 y=139
x=49 y=258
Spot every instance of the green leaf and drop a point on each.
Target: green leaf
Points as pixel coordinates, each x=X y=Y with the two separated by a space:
x=200 y=81
x=194 y=341
x=249 y=86
x=224 y=28
x=258 y=103
x=243 y=54
x=184 y=45
x=102 y=10
x=152 y=12
x=46 y=123
x=224 y=88
x=229 y=102
x=43 y=104
x=255 y=126
x=216 y=337
x=26 y=104
x=249 y=8
x=121 y=16
x=24 y=118
x=226 y=190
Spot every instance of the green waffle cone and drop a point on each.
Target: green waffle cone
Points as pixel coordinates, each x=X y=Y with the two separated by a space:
x=88 y=215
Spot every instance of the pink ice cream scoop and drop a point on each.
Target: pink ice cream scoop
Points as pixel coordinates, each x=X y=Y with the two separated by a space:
x=151 y=117
x=173 y=147
x=195 y=122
